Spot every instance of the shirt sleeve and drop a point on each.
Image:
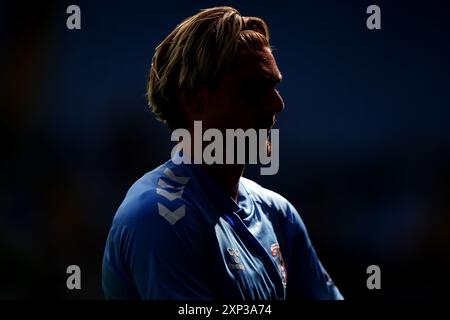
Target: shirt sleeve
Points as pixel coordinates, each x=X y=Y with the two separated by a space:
x=148 y=257
x=307 y=278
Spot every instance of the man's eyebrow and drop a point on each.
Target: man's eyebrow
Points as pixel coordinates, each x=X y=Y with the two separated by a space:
x=265 y=77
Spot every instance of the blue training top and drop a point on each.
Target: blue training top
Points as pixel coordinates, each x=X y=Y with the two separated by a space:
x=177 y=235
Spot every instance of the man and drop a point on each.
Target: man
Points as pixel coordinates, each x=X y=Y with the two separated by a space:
x=189 y=231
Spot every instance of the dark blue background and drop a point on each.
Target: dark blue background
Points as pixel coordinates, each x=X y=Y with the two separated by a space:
x=365 y=140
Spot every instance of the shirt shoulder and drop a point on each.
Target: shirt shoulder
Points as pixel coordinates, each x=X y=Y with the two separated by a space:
x=155 y=228
x=157 y=198
x=273 y=202
x=155 y=216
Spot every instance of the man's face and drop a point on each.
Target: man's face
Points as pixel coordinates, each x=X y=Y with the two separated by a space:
x=246 y=96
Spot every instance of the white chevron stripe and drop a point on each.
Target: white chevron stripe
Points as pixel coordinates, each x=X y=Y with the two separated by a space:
x=165 y=185
x=169 y=173
x=171 y=216
x=168 y=195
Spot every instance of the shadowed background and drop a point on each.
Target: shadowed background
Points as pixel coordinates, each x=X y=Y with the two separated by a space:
x=365 y=140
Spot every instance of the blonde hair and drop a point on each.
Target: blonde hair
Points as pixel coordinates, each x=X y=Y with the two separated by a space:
x=197 y=52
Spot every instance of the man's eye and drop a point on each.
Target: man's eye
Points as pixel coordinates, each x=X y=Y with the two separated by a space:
x=258 y=88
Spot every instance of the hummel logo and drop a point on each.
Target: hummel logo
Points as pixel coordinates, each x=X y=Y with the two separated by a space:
x=236 y=263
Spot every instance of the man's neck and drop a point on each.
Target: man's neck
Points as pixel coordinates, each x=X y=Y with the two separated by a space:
x=226 y=176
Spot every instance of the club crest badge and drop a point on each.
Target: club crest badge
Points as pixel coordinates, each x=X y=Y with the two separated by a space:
x=276 y=254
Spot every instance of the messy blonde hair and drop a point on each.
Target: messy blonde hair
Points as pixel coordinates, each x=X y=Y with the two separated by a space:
x=197 y=52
